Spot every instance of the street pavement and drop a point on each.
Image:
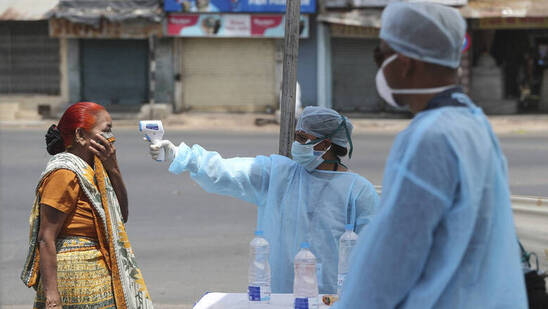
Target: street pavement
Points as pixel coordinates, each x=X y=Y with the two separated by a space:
x=187 y=241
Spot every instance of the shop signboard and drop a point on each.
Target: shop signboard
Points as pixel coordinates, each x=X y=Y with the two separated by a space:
x=235 y=6
x=231 y=25
x=64 y=28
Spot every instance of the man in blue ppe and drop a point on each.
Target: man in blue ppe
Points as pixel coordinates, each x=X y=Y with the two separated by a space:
x=444 y=235
x=310 y=198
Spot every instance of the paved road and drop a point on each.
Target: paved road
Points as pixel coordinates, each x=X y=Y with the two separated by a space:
x=187 y=241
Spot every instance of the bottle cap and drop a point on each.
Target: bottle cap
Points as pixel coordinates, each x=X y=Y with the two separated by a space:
x=259 y=233
x=305 y=245
x=349 y=227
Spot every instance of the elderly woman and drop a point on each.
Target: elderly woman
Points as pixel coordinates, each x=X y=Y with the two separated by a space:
x=79 y=255
x=310 y=198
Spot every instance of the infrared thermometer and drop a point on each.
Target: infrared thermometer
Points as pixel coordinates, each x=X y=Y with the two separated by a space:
x=153 y=130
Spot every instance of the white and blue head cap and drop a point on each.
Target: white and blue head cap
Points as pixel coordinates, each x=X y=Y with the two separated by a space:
x=326 y=123
x=428 y=32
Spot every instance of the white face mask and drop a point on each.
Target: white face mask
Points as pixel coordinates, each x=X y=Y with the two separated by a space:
x=383 y=88
x=307 y=156
x=387 y=93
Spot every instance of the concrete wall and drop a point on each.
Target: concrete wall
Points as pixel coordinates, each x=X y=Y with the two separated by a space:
x=323 y=50
x=73 y=70
x=232 y=75
x=165 y=72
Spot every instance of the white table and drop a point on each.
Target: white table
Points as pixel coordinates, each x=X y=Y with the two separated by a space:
x=240 y=301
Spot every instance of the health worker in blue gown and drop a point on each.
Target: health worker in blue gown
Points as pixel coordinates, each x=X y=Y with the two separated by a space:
x=444 y=236
x=308 y=198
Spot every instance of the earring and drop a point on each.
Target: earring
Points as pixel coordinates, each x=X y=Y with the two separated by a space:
x=81 y=141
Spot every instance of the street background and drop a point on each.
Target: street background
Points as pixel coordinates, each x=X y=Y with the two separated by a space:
x=189 y=242
x=208 y=69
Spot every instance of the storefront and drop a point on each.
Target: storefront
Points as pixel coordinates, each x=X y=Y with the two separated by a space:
x=228 y=53
x=352 y=37
x=354 y=69
x=108 y=51
x=509 y=55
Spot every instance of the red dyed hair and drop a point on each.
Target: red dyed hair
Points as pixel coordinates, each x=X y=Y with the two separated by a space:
x=79 y=115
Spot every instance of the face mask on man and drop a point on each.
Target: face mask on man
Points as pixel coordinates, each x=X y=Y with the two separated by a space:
x=387 y=93
x=305 y=155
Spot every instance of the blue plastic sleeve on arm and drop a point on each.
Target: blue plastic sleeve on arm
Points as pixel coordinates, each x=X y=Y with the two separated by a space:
x=243 y=178
x=181 y=161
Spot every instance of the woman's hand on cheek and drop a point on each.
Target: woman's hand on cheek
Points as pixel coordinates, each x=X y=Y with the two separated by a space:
x=105 y=151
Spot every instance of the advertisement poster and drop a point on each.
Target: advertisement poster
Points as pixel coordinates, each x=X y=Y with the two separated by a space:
x=231 y=25
x=235 y=6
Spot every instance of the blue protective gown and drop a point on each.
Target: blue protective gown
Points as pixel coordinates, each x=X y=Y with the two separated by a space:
x=444 y=235
x=293 y=205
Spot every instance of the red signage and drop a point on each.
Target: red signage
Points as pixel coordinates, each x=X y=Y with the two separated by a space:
x=177 y=22
x=259 y=24
x=231 y=25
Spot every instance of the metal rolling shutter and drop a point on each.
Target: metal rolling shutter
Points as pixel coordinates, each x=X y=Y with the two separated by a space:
x=354 y=73
x=228 y=74
x=29 y=59
x=115 y=72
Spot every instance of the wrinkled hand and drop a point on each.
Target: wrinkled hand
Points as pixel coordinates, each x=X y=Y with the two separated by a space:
x=105 y=151
x=53 y=300
x=169 y=148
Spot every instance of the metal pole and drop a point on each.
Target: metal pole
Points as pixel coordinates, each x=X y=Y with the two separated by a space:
x=152 y=73
x=289 y=79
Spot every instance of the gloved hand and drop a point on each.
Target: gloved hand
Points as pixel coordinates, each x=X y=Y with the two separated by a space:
x=169 y=148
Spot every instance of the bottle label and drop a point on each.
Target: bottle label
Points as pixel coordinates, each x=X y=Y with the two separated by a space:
x=301 y=303
x=306 y=303
x=254 y=293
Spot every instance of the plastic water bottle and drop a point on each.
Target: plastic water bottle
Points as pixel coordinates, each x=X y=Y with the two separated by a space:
x=346 y=244
x=259 y=271
x=305 y=285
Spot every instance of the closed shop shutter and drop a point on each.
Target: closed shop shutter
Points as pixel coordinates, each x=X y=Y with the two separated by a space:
x=29 y=59
x=354 y=73
x=228 y=74
x=115 y=72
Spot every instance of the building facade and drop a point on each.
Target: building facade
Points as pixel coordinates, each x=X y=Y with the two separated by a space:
x=228 y=54
x=508 y=55
x=30 y=61
x=505 y=55
x=108 y=47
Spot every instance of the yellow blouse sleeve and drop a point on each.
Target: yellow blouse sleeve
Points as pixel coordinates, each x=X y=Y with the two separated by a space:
x=60 y=190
